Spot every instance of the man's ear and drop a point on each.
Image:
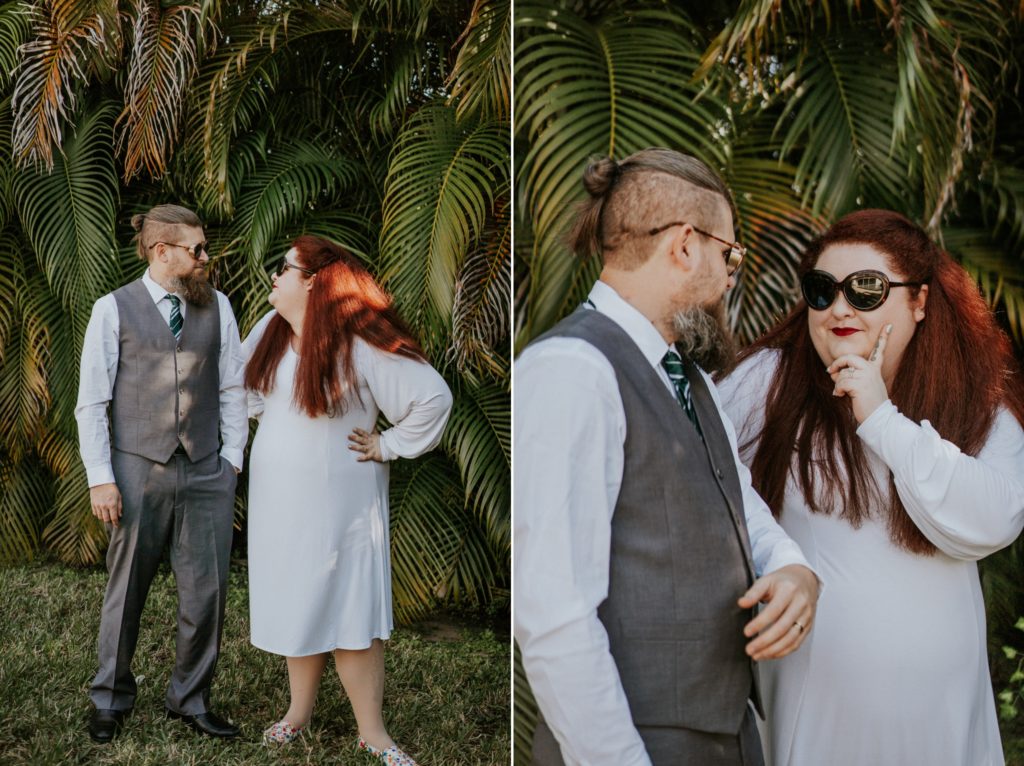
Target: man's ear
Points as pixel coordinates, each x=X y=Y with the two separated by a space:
x=681 y=247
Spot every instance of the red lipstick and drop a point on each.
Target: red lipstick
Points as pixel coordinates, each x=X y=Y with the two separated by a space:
x=844 y=331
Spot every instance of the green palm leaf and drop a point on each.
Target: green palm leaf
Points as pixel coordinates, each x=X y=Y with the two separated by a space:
x=998 y=272
x=479 y=435
x=425 y=533
x=163 y=61
x=609 y=87
x=69 y=214
x=73 y=533
x=771 y=223
x=25 y=496
x=839 y=114
x=441 y=185
x=236 y=84
x=481 y=315
x=480 y=81
x=24 y=393
x=15 y=27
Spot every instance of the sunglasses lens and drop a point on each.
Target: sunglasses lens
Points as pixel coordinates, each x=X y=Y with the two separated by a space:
x=735 y=259
x=865 y=291
x=201 y=248
x=819 y=290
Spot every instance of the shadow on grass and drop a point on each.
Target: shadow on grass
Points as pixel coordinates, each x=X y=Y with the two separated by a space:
x=446 y=702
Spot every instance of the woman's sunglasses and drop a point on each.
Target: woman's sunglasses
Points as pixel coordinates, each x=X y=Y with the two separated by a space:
x=285 y=265
x=864 y=290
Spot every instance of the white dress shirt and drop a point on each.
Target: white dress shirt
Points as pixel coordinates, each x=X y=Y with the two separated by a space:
x=570 y=428
x=100 y=351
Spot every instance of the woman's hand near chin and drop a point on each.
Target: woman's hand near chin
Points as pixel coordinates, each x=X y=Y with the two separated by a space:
x=861 y=379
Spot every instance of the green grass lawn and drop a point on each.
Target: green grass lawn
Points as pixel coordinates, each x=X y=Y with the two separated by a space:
x=446 y=701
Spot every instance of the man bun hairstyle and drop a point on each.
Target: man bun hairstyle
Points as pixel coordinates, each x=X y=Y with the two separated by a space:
x=158 y=224
x=643 y=191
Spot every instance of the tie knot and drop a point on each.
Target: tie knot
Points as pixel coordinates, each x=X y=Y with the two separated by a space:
x=673 y=364
x=174 y=299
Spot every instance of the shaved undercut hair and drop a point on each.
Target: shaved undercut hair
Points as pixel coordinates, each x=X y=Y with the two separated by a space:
x=646 y=190
x=161 y=224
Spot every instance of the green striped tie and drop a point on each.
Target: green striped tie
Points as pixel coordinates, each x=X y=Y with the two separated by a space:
x=176 y=321
x=673 y=365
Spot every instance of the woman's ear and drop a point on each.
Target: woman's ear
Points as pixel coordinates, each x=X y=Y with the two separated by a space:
x=919 y=301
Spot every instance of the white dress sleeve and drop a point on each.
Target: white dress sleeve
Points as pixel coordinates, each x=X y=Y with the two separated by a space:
x=968 y=507
x=742 y=400
x=411 y=394
x=254 y=399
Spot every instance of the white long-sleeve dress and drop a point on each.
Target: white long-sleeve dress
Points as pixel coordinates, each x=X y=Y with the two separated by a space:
x=319 y=550
x=895 y=671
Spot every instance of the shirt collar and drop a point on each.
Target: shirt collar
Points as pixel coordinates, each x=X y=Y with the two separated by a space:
x=156 y=292
x=639 y=328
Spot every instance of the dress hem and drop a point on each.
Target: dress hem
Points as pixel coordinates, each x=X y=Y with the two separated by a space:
x=383 y=636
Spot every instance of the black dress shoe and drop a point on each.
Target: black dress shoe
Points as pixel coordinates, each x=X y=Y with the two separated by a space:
x=207 y=723
x=105 y=724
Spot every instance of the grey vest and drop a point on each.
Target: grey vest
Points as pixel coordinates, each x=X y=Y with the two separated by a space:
x=166 y=392
x=680 y=553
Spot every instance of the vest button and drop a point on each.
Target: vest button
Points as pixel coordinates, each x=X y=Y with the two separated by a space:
x=181 y=390
x=178 y=349
x=720 y=474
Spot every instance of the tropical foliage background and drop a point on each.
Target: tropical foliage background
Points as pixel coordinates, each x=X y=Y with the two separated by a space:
x=381 y=124
x=810 y=109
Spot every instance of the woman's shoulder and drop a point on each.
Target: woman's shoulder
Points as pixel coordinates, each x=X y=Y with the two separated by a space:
x=753 y=375
x=744 y=391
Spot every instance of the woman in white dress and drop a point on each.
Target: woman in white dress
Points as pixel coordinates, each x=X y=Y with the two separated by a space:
x=319 y=368
x=881 y=421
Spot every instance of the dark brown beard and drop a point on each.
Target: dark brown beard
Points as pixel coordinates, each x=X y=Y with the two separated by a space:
x=702 y=334
x=195 y=289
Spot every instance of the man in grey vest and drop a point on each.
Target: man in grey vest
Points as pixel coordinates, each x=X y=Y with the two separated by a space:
x=163 y=355
x=640 y=548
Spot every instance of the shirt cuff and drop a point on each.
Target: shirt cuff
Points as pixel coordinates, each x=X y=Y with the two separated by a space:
x=101 y=473
x=386 y=451
x=874 y=425
x=233 y=456
x=786 y=553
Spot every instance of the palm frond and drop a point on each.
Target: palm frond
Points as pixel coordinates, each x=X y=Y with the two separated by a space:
x=66 y=39
x=839 y=115
x=771 y=222
x=73 y=533
x=609 y=87
x=25 y=495
x=68 y=215
x=238 y=81
x=15 y=26
x=479 y=436
x=163 y=61
x=481 y=315
x=24 y=393
x=999 y=274
x=425 y=534
x=441 y=185
x=480 y=81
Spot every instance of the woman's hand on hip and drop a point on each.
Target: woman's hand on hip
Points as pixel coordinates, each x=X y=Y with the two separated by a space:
x=367 y=442
x=861 y=379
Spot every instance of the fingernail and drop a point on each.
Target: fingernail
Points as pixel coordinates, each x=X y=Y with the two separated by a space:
x=888 y=327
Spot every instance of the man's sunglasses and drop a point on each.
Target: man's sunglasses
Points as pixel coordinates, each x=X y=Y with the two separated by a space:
x=864 y=290
x=733 y=258
x=195 y=251
x=285 y=265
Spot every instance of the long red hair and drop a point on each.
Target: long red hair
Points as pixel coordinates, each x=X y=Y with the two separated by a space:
x=344 y=303
x=955 y=372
